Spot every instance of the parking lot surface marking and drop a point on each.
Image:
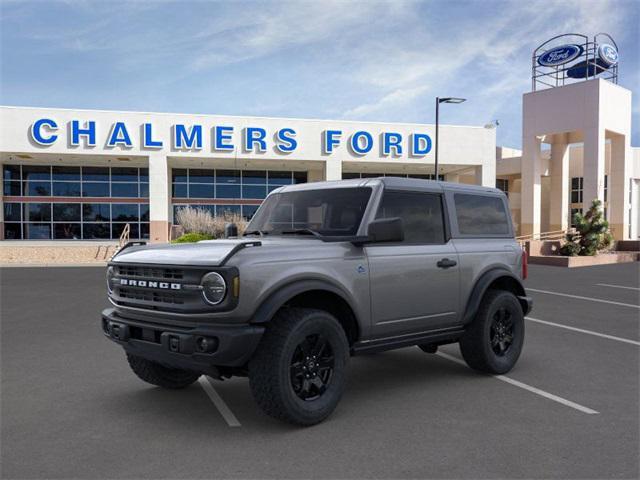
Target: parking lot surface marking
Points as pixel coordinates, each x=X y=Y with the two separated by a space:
x=217 y=400
x=617 y=286
x=600 y=300
x=524 y=386
x=589 y=332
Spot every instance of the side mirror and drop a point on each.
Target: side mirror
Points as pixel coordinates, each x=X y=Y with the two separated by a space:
x=386 y=230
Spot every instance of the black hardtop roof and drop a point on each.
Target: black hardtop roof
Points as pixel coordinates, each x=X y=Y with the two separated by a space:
x=395 y=182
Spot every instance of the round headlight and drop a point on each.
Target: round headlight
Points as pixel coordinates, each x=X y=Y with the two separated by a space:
x=111 y=272
x=214 y=288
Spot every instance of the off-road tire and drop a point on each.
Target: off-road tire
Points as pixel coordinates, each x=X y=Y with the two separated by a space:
x=476 y=344
x=270 y=369
x=157 y=374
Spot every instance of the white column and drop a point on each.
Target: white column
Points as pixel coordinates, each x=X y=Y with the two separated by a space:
x=333 y=169
x=593 y=166
x=159 y=197
x=531 y=186
x=559 y=205
x=486 y=174
x=452 y=177
x=618 y=188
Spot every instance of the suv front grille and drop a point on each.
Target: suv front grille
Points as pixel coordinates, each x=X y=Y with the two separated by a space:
x=150 y=272
x=170 y=289
x=151 y=296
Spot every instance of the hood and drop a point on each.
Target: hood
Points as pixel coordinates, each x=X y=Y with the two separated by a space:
x=209 y=252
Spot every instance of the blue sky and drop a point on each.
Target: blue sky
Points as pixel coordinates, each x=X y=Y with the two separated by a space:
x=366 y=60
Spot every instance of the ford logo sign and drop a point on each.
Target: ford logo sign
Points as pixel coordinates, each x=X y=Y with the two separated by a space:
x=608 y=54
x=560 y=55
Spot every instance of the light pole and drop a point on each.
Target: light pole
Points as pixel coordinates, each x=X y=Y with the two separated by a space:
x=438 y=102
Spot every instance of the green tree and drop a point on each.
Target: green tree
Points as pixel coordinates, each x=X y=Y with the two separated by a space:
x=592 y=233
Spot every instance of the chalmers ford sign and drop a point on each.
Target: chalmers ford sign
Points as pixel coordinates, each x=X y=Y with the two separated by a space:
x=222 y=138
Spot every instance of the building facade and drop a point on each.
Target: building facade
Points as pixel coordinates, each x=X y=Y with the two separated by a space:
x=85 y=174
x=576 y=149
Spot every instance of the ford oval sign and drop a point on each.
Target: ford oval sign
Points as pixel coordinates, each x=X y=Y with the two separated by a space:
x=608 y=54
x=560 y=55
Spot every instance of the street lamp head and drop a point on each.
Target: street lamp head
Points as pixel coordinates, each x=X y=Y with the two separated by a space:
x=451 y=100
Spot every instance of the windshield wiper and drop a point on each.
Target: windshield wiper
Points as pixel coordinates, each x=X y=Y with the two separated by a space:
x=302 y=231
x=261 y=233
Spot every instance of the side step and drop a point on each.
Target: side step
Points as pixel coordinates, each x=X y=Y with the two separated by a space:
x=441 y=337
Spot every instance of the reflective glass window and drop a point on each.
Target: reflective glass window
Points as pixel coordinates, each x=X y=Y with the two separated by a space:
x=96 y=212
x=66 y=212
x=66 y=189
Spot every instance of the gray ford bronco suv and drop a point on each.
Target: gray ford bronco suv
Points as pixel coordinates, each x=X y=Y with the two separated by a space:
x=325 y=271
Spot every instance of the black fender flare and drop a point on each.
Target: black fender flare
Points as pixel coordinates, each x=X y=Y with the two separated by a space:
x=482 y=285
x=286 y=292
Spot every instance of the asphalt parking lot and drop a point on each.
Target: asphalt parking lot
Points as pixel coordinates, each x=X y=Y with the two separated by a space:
x=71 y=408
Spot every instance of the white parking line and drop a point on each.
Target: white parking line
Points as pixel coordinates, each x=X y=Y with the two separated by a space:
x=217 y=400
x=617 y=286
x=529 y=388
x=589 y=332
x=584 y=298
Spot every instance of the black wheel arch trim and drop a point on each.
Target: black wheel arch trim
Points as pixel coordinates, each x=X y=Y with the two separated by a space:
x=483 y=284
x=284 y=293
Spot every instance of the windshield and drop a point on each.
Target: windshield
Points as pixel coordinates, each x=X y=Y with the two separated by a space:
x=325 y=212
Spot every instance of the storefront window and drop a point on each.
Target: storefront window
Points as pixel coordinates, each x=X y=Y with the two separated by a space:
x=57 y=217
x=216 y=186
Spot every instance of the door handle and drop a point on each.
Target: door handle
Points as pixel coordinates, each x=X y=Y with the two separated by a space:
x=446 y=263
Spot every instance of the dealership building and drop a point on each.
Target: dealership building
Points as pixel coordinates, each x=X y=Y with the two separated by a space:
x=86 y=174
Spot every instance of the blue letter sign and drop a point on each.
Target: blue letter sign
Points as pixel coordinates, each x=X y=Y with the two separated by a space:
x=330 y=140
x=182 y=139
x=357 y=147
x=391 y=140
x=147 y=138
x=36 y=131
x=119 y=136
x=286 y=140
x=89 y=131
x=255 y=136
x=421 y=144
x=222 y=136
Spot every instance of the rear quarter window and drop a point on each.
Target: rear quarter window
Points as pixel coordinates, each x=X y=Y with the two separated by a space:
x=481 y=215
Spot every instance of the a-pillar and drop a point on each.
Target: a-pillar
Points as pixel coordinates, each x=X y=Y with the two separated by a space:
x=559 y=207
x=593 y=167
x=159 y=198
x=332 y=169
x=531 y=186
x=618 y=188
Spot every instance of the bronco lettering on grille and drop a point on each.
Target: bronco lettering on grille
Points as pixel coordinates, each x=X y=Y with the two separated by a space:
x=150 y=284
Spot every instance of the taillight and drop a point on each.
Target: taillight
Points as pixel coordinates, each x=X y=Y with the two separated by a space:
x=525 y=264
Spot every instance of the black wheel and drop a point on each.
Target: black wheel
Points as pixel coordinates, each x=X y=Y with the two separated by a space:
x=494 y=339
x=160 y=375
x=297 y=373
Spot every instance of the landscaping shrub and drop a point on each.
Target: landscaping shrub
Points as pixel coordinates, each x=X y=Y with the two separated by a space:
x=591 y=235
x=192 y=238
x=199 y=220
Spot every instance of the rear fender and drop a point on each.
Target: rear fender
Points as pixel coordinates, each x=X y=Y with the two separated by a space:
x=499 y=278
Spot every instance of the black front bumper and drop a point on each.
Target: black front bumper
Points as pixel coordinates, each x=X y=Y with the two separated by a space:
x=199 y=348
